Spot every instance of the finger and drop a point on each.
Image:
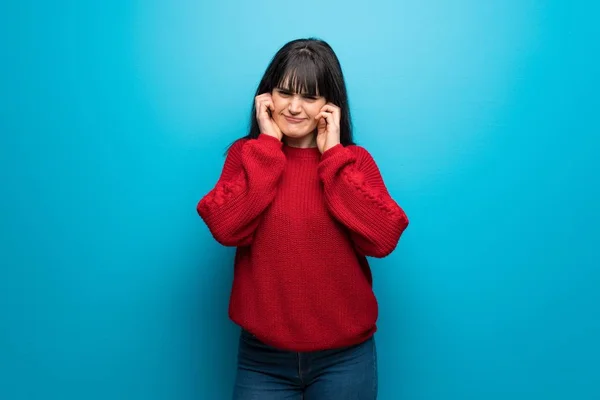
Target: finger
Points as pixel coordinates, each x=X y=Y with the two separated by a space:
x=327 y=116
x=265 y=106
x=261 y=98
x=331 y=108
x=260 y=105
x=261 y=110
x=322 y=126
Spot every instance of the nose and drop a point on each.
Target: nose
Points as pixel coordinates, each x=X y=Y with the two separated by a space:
x=295 y=105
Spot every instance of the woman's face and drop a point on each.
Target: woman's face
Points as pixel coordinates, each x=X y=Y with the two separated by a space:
x=295 y=113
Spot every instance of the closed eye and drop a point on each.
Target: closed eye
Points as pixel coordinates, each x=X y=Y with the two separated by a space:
x=284 y=92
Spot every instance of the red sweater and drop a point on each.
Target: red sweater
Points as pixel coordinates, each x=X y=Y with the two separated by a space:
x=302 y=223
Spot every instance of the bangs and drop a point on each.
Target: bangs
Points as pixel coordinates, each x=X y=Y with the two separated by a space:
x=303 y=76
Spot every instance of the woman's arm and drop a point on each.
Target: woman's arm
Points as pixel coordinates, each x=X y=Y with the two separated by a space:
x=246 y=187
x=357 y=197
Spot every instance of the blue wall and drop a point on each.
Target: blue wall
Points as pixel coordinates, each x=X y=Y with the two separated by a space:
x=483 y=119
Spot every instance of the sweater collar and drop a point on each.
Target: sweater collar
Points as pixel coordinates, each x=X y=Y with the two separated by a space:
x=297 y=152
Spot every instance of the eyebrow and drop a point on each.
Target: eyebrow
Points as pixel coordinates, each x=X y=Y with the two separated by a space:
x=289 y=91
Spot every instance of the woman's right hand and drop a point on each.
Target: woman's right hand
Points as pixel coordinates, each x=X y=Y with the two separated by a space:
x=263 y=103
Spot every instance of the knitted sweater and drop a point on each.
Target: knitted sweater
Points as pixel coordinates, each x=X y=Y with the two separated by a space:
x=303 y=224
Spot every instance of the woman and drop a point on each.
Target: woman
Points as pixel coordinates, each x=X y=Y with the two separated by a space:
x=304 y=206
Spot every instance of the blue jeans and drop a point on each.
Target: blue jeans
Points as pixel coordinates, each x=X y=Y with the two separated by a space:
x=267 y=373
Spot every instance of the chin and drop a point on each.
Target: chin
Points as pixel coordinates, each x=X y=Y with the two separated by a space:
x=295 y=134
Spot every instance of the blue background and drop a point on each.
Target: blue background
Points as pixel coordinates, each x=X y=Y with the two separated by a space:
x=482 y=117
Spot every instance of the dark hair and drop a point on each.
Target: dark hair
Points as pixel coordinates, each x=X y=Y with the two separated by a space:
x=308 y=66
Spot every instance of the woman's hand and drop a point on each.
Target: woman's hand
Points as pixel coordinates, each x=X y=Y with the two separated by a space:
x=328 y=127
x=264 y=106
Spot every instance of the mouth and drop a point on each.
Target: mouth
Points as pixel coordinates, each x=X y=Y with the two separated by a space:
x=293 y=120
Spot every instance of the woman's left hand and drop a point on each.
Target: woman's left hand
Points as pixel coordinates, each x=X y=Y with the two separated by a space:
x=328 y=127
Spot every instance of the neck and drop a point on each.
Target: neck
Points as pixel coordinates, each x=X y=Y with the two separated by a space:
x=305 y=142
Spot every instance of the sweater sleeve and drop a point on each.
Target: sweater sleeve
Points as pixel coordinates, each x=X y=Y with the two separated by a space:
x=246 y=187
x=356 y=196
